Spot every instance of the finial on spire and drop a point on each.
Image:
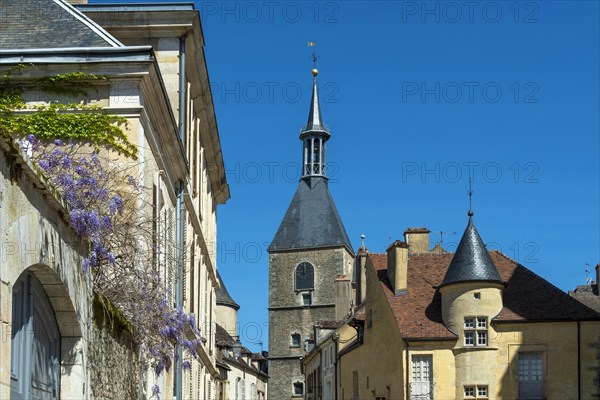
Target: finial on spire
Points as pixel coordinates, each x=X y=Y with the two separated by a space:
x=314 y=57
x=470 y=193
x=362 y=241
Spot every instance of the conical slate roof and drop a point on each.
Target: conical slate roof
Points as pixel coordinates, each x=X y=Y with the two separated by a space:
x=312 y=220
x=471 y=262
x=45 y=24
x=222 y=295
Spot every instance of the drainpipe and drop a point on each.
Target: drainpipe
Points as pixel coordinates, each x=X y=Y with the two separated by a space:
x=178 y=390
x=406 y=389
x=182 y=89
x=578 y=360
x=179 y=287
x=335 y=338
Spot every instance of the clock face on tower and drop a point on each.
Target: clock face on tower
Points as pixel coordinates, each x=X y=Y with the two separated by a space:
x=305 y=276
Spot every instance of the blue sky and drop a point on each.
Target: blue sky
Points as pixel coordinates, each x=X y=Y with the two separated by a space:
x=417 y=95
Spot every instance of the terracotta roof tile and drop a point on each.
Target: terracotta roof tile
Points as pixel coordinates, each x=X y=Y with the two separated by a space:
x=527 y=296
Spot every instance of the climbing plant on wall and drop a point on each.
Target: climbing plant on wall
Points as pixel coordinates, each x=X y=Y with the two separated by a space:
x=85 y=157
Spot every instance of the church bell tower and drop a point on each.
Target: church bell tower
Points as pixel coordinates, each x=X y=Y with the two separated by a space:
x=310 y=264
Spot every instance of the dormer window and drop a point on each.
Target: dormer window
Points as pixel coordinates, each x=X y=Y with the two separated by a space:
x=305 y=277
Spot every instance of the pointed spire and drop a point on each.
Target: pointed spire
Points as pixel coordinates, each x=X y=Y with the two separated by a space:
x=471 y=262
x=315 y=122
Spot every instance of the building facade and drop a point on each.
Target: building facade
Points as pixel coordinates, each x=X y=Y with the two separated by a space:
x=152 y=60
x=310 y=264
x=242 y=374
x=467 y=325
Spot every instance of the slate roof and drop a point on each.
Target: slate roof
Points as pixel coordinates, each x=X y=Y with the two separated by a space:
x=527 y=297
x=471 y=262
x=222 y=295
x=312 y=220
x=222 y=337
x=48 y=24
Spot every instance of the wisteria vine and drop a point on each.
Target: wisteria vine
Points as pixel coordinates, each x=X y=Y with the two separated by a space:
x=102 y=200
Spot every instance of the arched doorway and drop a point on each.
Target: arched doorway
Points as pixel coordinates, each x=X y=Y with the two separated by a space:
x=35 y=343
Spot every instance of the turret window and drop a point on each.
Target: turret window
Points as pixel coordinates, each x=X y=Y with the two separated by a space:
x=476 y=331
x=305 y=276
x=476 y=392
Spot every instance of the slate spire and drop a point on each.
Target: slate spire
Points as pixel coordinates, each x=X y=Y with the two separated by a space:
x=312 y=219
x=471 y=262
x=315 y=122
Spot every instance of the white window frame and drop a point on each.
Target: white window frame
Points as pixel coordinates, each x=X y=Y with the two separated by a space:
x=421 y=367
x=475 y=331
x=476 y=389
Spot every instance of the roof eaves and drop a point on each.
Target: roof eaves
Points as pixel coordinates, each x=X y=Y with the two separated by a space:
x=77 y=55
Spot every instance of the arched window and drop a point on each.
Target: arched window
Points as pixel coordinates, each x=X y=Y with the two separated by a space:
x=305 y=276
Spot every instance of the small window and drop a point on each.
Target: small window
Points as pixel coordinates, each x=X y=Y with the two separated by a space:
x=477 y=295
x=305 y=276
x=481 y=338
x=296 y=339
x=306 y=299
x=298 y=388
x=476 y=392
x=469 y=338
x=476 y=331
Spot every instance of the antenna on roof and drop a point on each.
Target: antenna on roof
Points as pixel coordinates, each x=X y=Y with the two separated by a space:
x=588 y=278
x=261 y=346
x=442 y=233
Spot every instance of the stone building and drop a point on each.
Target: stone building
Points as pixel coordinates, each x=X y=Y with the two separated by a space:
x=466 y=325
x=153 y=60
x=310 y=264
x=243 y=374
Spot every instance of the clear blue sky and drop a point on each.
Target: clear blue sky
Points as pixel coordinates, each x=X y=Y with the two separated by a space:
x=416 y=94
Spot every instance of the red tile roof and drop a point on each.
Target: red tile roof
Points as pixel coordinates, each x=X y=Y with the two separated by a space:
x=527 y=297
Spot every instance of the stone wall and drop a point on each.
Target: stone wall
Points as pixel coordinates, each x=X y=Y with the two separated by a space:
x=288 y=314
x=112 y=355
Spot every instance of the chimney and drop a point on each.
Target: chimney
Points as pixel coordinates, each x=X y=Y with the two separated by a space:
x=418 y=239
x=397 y=266
x=343 y=296
x=361 y=276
